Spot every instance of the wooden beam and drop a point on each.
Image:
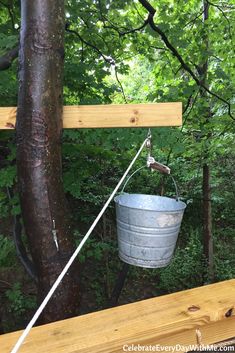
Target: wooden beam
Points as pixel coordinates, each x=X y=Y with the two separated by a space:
x=170 y=320
x=110 y=116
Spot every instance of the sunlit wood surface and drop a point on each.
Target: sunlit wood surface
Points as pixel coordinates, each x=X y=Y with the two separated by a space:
x=168 y=320
x=110 y=115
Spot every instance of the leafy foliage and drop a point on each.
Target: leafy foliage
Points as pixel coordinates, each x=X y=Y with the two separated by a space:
x=19 y=304
x=107 y=61
x=187 y=269
x=7 y=252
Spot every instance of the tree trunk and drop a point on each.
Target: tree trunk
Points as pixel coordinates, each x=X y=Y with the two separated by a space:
x=38 y=128
x=207 y=220
x=207 y=216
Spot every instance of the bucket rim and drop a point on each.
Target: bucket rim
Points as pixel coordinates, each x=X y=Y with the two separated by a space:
x=183 y=204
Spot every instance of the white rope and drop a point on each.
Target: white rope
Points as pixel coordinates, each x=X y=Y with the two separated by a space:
x=76 y=252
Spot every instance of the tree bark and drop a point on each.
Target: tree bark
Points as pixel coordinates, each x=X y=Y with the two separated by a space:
x=206 y=189
x=38 y=129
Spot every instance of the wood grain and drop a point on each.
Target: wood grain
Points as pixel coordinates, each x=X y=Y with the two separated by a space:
x=169 y=320
x=110 y=116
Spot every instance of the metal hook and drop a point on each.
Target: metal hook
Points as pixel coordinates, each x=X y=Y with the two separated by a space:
x=149 y=142
x=54 y=234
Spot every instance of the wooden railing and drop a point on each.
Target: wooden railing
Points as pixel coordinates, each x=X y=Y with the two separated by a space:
x=170 y=323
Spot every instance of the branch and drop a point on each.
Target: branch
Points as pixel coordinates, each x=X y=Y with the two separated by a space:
x=7 y=59
x=224 y=15
x=175 y=53
x=114 y=26
x=139 y=14
x=148 y=7
x=108 y=60
x=191 y=103
x=120 y=84
x=19 y=245
x=21 y=251
x=194 y=19
x=157 y=48
x=134 y=29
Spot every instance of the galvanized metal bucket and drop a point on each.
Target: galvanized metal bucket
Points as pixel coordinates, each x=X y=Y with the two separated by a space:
x=147 y=228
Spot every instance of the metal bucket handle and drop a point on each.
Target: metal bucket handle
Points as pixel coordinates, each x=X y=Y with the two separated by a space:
x=137 y=170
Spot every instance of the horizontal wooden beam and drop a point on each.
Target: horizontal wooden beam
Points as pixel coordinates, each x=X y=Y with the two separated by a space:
x=110 y=116
x=170 y=320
